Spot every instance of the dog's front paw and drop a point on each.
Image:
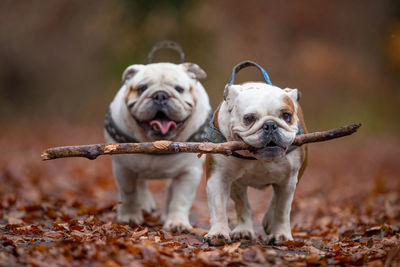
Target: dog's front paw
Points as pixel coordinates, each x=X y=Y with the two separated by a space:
x=217 y=238
x=148 y=206
x=240 y=233
x=130 y=218
x=177 y=226
x=278 y=238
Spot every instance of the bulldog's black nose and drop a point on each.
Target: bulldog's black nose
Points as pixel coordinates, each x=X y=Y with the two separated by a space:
x=270 y=127
x=160 y=98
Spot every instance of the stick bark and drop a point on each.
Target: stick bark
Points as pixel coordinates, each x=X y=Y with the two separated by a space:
x=163 y=146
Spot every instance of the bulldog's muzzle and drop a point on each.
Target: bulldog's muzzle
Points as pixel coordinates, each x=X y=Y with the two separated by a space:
x=160 y=98
x=272 y=141
x=270 y=128
x=270 y=134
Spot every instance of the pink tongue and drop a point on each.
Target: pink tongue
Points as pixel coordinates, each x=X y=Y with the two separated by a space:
x=163 y=126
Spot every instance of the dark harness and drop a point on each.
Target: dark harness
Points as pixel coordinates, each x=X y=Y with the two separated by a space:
x=121 y=137
x=214 y=135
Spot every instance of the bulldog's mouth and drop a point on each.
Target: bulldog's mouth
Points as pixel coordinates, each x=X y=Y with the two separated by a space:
x=269 y=151
x=272 y=144
x=161 y=125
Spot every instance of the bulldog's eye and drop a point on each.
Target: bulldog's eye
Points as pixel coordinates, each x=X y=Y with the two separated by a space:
x=286 y=116
x=249 y=119
x=179 y=89
x=141 y=89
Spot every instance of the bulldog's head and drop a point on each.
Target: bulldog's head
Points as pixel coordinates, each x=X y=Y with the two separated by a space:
x=160 y=96
x=263 y=116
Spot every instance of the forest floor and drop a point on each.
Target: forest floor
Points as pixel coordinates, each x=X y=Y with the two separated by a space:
x=346 y=209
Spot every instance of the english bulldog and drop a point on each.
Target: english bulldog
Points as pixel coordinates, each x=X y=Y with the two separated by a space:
x=268 y=119
x=158 y=101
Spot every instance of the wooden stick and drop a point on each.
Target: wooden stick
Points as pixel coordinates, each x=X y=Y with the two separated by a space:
x=162 y=147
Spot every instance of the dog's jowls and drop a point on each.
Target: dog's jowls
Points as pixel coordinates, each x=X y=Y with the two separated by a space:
x=159 y=101
x=267 y=118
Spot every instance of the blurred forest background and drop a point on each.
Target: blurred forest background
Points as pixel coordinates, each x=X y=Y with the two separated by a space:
x=60 y=66
x=62 y=60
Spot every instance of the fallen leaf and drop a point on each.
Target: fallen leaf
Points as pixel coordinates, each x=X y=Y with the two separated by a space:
x=231 y=248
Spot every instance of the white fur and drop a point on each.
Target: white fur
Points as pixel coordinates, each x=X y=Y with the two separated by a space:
x=184 y=170
x=231 y=175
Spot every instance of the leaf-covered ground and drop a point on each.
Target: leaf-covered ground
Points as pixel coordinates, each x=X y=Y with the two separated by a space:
x=346 y=209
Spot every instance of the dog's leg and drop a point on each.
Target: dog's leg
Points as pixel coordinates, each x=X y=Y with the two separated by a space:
x=276 y=221
x=134 y=195
x=167 y=201
x=244 y=229
x=180 y=195
x=217 y=194
x=146 y=199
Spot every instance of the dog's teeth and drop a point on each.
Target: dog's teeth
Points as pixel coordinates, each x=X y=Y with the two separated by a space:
x=155 y=127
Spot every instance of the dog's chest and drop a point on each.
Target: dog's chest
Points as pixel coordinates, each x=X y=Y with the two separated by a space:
x=260 y=174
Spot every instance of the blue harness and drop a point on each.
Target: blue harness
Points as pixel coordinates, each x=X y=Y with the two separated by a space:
x=214 y=135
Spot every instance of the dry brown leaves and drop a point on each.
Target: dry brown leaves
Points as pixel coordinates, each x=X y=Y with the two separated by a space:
x=346 y=210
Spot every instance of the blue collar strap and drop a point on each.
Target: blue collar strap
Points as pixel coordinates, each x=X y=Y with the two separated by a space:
x=245 y=64
x=166 y=44
x=213 y=134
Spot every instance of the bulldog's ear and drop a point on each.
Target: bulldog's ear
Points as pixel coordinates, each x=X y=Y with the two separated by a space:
x=194 y=71
x=294 y=94
x=230 y=92
x=130 y=71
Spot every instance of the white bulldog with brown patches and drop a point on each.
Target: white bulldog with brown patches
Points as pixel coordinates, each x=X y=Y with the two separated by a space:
x=267 y=118
x=159 y=101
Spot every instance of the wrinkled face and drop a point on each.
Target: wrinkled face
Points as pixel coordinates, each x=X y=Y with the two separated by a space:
x=264 y=117
x=160 y=96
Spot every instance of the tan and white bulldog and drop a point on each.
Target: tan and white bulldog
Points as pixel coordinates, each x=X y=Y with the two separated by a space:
x=267 y=118
x=159 y=101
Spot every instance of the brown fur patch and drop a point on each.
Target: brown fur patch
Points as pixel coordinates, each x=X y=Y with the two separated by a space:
x=209 y=165
x=131 y=91
x=303 y=148
x=193 y=93
x=216 y=125
x=288 y=103
x=288 y=106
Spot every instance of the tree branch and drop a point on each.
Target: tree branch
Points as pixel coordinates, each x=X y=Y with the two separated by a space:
x=163 y=147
